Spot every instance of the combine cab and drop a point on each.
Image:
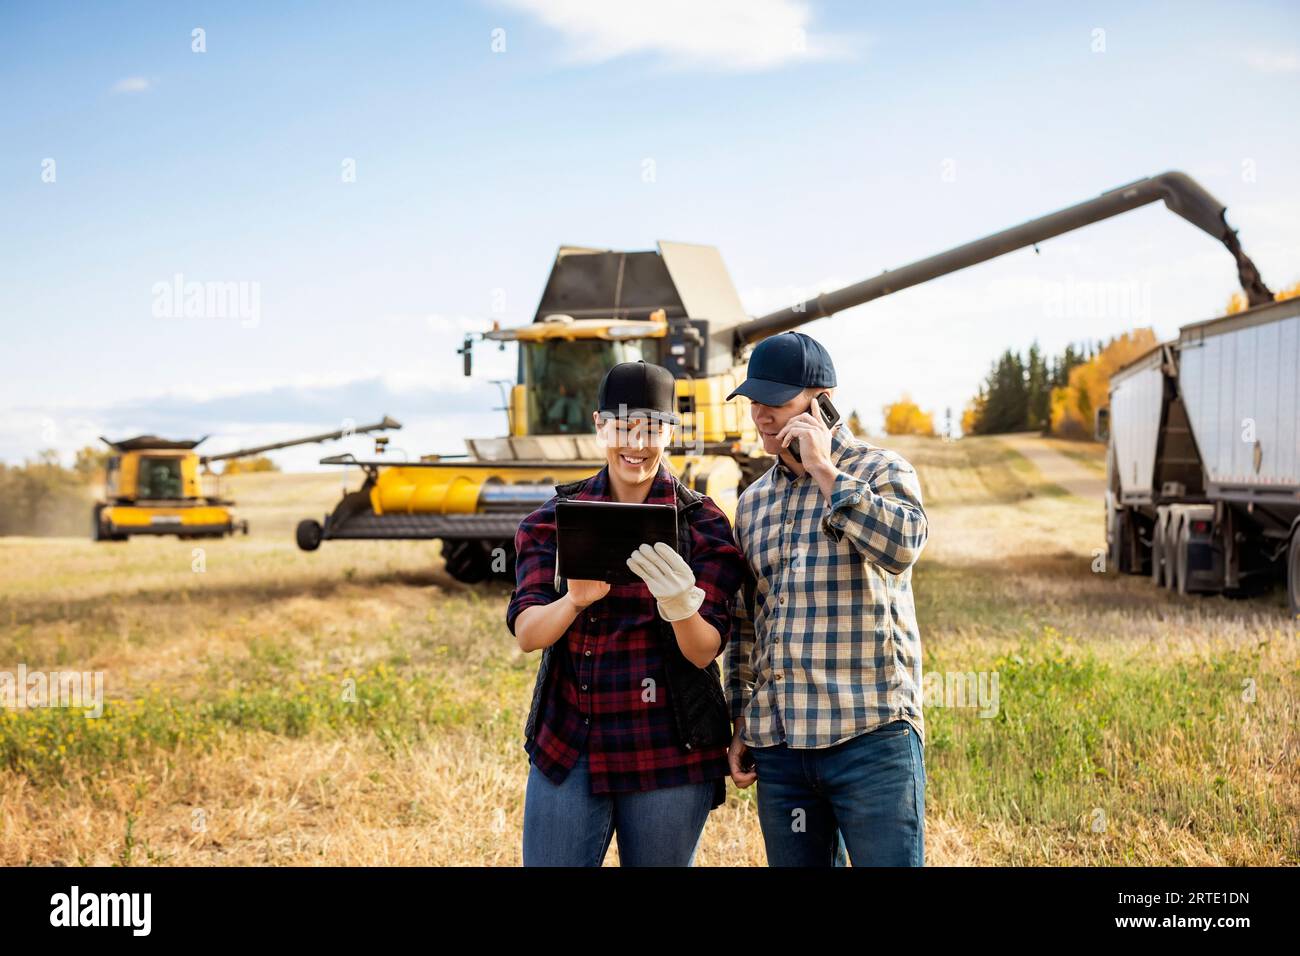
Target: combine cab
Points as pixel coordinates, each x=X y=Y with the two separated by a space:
x=675 y=307
x=155 y=486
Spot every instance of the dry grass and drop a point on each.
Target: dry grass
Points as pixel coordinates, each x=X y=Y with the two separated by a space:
x=229 y=740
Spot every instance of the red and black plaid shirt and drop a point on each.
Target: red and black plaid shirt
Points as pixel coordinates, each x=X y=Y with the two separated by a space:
x=597 y=701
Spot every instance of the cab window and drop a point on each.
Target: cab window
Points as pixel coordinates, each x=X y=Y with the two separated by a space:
x=160 y=478
x=563 y=379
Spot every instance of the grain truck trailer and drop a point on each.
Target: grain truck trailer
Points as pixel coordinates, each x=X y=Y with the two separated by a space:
x=1203 y=464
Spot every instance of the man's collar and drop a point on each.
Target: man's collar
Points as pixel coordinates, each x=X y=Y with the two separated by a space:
x=839 y=442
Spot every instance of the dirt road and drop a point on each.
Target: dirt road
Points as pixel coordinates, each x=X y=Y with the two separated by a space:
x=1056 y=468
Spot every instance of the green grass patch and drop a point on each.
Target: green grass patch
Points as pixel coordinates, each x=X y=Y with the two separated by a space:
x=399 y=707
x=1075 y=734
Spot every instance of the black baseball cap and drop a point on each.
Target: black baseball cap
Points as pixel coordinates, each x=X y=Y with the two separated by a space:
x=638 y=388
x=784 y=365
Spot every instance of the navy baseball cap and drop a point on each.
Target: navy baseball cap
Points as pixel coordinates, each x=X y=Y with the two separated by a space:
x=784 y=365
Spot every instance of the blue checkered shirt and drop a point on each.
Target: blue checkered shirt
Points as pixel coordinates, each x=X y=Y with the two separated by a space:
x=827 y=647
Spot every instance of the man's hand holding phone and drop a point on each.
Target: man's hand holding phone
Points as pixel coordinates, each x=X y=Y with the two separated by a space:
x=808 y=437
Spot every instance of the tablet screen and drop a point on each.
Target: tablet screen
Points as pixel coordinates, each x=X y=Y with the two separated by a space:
x=595 y=538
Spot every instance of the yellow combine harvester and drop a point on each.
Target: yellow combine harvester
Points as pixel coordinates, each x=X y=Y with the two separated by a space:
x=154 y=486
x=676 y=307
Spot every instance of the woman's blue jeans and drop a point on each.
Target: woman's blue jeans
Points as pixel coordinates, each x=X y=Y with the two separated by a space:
x=567 y=825
x=868 y=791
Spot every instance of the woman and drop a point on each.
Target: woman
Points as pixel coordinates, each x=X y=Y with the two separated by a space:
x=628 y=731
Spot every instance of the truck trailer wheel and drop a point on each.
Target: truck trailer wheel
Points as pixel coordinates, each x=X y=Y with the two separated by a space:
x=1293 y=574
x=1122 y=541
x=1169 y=531
x=1170 y=546
x=1158 y=553
x=1181 y=558
x=309 y=534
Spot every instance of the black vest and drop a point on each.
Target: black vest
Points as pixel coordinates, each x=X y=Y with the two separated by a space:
x=700 y=713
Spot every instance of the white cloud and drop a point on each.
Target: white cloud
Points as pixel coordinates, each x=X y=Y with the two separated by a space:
x=132 y=84
x=728 y=35
x=1269 y=61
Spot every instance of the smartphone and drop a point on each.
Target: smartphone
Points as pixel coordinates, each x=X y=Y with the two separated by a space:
x=829 y=415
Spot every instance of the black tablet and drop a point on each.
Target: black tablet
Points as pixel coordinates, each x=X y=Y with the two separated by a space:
x=595 y=538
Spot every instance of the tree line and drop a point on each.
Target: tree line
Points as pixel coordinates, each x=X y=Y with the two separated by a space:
x=1016 y=395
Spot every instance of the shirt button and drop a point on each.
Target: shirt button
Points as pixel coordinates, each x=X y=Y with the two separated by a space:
x=688 y=746
x=781 y=600
x=584 y=686
x=789 y=521
x=586 y=720
x=778 y=675
x=587 y=653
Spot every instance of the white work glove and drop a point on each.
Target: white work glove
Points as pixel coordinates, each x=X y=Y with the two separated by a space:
x=669 y=578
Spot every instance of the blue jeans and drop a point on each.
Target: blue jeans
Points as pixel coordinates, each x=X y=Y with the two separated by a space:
x=868 y=791
x=567 y=825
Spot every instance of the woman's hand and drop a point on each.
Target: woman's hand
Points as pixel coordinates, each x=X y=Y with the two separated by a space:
x=586 y=593
x=671 y=583
x=541 y=625
x=669 y=579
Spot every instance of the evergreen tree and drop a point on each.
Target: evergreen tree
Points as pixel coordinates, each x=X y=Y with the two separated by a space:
x=1039 y=390
x=1017 y=393
x=1006 y=397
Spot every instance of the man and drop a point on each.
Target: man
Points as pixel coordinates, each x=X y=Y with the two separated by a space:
x=824 y=667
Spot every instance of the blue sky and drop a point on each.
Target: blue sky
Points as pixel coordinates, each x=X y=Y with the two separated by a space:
x=814 y=143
